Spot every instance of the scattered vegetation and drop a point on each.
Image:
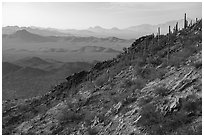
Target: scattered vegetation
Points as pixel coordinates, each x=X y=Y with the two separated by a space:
x=154 y=122
x=101 y=80
x=161 y=91
x=92 y=131
x=68 y=115
x=197 y=64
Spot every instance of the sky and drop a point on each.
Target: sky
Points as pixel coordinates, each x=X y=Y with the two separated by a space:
x=70 y=15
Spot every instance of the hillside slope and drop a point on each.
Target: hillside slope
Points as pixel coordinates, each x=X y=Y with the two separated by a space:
x=34 y=76
x=153 y=87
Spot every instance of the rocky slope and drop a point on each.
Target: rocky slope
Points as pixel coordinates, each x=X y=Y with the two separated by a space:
x=153 y=87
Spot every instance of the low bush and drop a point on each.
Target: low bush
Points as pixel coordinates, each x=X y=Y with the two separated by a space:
x=178 y=58
x=67 y=116
x=161 y=91
x=139 y=83
x=192 y=105
x=101 y=80
x=127 y=83
x=145 y=100
x=92 y=131
x=89 y=116
x=197 y=64
x=154 y=122
x=150 y=119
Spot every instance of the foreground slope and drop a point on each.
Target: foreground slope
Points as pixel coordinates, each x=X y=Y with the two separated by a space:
x=153 y=87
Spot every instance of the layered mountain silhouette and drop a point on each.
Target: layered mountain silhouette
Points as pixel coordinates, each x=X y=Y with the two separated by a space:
x=96 y=49
x=23 y=43
x=35 y=30
x=26 y=36
x=9 y=68
x=97 y=31
x=36 y=75
x=32 y=61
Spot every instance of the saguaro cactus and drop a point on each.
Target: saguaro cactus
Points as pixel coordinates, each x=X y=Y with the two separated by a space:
x=158 y=35
x=158 y=31
x=176 y=29
x=169 y=42
x=185 y=22
x=169 y=29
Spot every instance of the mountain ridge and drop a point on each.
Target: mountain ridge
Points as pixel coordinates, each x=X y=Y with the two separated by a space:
x=97 y=31
x=152 y=88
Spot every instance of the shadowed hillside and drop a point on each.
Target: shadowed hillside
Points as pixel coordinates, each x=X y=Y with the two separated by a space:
x=33 y=76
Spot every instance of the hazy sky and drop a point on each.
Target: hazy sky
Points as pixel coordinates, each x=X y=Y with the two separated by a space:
x=84 y=15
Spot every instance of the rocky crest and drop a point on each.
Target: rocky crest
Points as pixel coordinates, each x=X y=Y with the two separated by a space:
x=153 y=87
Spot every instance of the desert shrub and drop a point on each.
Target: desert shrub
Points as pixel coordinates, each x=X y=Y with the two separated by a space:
x=92 y=131
x=69 y=116
x=139 y=83
x=175 y=60
x=189 y=130
x=129 y=100
x=154 y=61
x=101 y=80
x=161 y=91
x=120 y=97
x=155 y=122
x=104 y=119
x=173 y=121
x=88 y=85
x=8 y=130
x=148 y=73
x=197 y=64
x=178 y=58
x=161 y=72
x=89 y=116
x=150 y=119
x=127 y=83
x=57 y=130
x=192 y=105
x=23 y=107
x=145 y=100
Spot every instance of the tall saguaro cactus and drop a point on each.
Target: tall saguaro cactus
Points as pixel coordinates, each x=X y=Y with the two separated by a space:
x=158 y=35
x=158 y=31
x=176 y=29
x=185 y=22
x=169 y=39
x=191 y=23
x=169 y=30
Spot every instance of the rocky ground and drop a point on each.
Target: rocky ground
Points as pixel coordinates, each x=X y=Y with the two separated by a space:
x=132 y=94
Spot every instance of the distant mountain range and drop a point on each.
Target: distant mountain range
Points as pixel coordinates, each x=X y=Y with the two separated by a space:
x=23 y=43
x=9 y=68
x=96 y=49
x=97 y=31
x=33 y=76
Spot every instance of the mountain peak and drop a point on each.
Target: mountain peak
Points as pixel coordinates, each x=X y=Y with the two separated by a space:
x=22 y=32
x=114 y=28
x=98 y=27
x=95 y=28
x=31 y=61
